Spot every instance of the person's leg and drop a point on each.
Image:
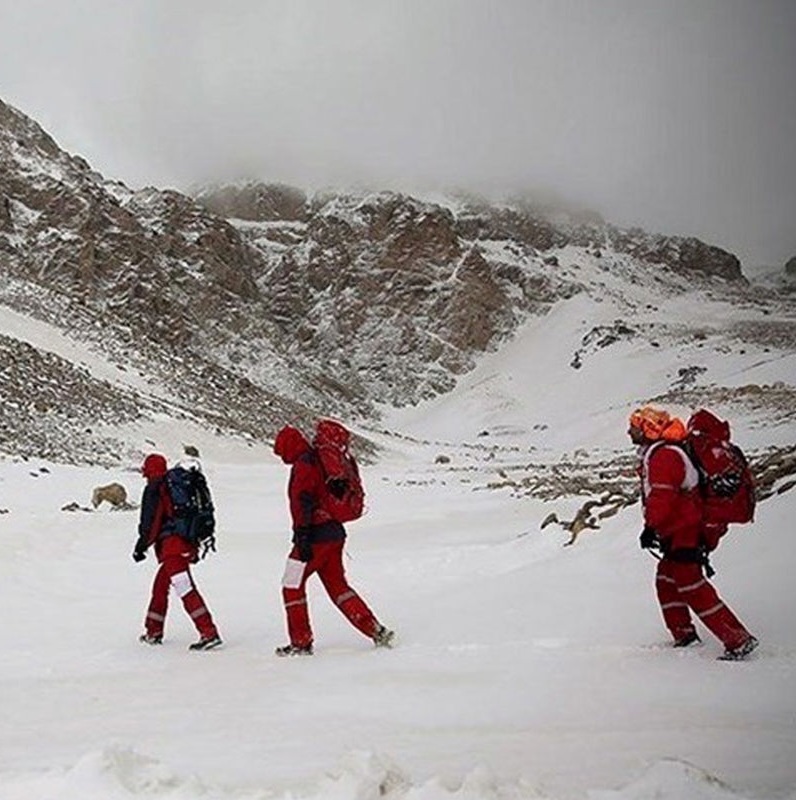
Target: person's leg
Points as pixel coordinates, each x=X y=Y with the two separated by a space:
x=332 y=575
x=178 y=569
x=702 y=597
x=674 y=608
x=158 y=605
x=294 y=597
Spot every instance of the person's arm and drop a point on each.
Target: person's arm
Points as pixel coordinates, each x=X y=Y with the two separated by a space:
x=303 y=492
x=149 y=520
x=665 y=480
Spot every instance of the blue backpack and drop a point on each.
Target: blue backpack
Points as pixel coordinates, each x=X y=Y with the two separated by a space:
x=194 y=517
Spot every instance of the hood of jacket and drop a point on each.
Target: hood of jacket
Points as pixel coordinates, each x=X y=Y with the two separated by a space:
x=290 y=444
x=154 y=466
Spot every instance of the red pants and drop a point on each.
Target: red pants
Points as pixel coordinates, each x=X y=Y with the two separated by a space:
x=327 y=561
x=681 y=587
x=175 y=572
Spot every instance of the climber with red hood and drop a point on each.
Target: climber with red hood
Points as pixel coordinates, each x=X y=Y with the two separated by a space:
x=318 y=541
x=673 y=523
x=175 y=555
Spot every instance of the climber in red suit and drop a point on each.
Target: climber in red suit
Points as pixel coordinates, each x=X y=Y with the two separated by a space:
x=175 y=556
x=673 y=522
x=317 y=547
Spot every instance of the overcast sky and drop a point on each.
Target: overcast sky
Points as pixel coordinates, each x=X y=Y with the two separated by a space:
x=678 y=115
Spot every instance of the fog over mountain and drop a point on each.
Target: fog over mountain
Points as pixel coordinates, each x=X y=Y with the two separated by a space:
x=678 y=117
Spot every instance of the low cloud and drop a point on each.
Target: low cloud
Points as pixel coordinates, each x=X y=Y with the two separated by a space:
x=680 y=117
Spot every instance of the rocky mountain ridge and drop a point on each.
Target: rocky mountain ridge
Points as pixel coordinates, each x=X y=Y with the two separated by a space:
x=252 y=304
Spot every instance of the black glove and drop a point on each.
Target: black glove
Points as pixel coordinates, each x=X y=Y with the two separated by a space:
x=304 y=550
x=138 y=555
x=301 y=538
x=337 y=487
x=648 y=539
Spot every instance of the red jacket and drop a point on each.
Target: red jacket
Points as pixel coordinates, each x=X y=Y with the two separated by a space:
x=306 y=488
x=155 y=523
x=670 y=494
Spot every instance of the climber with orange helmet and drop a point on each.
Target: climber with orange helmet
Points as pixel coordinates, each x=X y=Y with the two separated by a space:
x=673 y=509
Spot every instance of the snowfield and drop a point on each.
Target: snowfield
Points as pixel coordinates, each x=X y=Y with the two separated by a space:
x=524 y=670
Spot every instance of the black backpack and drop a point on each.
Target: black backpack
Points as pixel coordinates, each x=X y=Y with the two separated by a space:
x=194 y=518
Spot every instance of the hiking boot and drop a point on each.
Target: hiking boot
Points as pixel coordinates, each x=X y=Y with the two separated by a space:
x=741 y=652
x=206 y=643
x=294 y=650
x=151 y=638
x=383 y=637
x=687 y=640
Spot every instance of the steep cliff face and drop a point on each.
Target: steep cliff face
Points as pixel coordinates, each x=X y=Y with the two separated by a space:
x=150 y=278
x=400 y=295
x=383 y=287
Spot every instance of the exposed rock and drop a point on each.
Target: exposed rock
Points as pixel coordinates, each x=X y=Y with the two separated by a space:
x=684 y=255
x=256 y=202
x=74 y=506
x=6 y=219
x=51 y=409
x=113 y=493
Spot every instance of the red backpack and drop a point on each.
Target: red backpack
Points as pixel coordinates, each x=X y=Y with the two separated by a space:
x=725 y=479
x=344 y=498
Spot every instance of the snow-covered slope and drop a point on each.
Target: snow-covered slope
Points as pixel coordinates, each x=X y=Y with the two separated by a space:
x=524 y=669
x=548 y=388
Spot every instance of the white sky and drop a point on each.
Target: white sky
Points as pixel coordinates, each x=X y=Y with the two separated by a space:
x=678 y=115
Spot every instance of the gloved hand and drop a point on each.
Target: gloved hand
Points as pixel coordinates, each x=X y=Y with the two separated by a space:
x=648 y=538
x=138 y=555
x=301 y=538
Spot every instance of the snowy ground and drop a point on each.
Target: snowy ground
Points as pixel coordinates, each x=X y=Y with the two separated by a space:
x=523 y=669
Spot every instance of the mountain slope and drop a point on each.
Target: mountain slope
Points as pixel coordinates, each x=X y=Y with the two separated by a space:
x=254 y=304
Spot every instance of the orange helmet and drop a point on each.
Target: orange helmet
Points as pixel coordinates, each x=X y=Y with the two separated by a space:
x=655 y=423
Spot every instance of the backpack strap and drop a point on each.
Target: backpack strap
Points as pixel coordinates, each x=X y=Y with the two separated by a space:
x=690 y=479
